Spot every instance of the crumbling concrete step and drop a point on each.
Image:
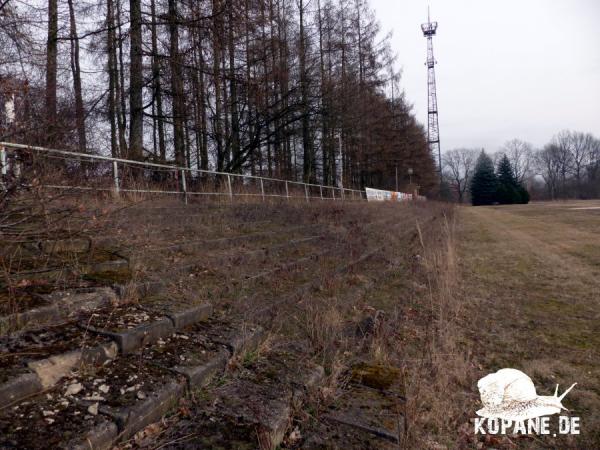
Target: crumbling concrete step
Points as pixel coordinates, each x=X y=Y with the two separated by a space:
x=251 y=410
x=360 y=417
x=74 y=245
x=132 y=339
x=93 y=409
x=47 y=372
x=61 y=306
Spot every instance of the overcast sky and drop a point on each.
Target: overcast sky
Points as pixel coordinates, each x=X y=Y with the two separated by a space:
x=506 y=68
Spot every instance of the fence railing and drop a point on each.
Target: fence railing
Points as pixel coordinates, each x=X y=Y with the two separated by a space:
x=82 y=171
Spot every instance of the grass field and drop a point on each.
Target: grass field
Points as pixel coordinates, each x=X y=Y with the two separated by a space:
x=530 y=285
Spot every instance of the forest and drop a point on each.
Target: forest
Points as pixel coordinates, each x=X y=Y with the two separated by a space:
x=296 y=89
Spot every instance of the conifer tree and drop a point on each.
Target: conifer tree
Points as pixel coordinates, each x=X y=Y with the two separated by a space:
x=507 y=193
x=484 y=184
x=509 y=189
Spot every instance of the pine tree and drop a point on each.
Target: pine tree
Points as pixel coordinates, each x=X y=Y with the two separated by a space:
x=507 y=193
x=484 y=184
x=509 y=189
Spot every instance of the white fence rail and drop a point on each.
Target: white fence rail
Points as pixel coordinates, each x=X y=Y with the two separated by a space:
x=82 y=171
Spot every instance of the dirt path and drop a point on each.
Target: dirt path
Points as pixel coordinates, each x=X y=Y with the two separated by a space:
x=530 y=277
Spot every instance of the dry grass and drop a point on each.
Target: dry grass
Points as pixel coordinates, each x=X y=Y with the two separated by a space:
x=403 y=293
x=530 y=275
x=441 y=368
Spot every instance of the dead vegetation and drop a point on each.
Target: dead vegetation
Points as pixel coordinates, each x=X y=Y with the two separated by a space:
x=363 y=291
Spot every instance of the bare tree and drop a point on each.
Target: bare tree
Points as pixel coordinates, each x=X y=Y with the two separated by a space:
x=458 y=166
x=76 y=71
x=136 y=82
x=292 y=88
x=581 y=149
x=520 y=155
x=548 y=161
x=51 y=68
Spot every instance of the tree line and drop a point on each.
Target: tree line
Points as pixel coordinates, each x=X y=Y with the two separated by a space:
x=566 y=167
x=296 y=89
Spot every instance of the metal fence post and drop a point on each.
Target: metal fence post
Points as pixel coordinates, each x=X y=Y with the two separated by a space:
x=321 y=190
x=333 y=192
x=287 y=191
x=262 y=189
x=306 y=191
x=116 y=177
x=229 y=185
x=184 y=186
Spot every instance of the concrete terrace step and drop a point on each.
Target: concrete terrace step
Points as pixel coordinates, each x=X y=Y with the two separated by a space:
x=252 y=408
x=119 y=338
x=98 y=406
x=59 y=306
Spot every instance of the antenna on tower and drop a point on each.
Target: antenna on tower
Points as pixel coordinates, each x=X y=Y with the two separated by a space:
x=433 y=132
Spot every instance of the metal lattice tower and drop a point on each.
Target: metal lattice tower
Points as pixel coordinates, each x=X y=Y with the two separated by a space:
x=433 y=129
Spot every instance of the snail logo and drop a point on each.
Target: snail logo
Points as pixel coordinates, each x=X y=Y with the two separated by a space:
x=509 y=397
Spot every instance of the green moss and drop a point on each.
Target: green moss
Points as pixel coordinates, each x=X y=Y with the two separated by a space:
x=375 y=376
x=120 y=276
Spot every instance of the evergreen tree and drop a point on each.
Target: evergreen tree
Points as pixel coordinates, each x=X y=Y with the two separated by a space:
x=484 y=184
x=524 y=194
x=509 y=189
x=507 y=193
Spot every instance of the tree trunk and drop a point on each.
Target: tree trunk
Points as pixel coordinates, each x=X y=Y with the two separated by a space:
x=176 y=86
x=236 y=160
x=324 y=103
x=51 y=70
x=76 y=70
x=157 y=87
x=112 y=77
x=217 y=125
x=136 y=83
x=307 y=144
x=122 y=113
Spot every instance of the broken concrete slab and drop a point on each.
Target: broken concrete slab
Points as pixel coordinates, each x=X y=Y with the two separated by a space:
x=253 y=403
x=200 y=376
x=62 y=304
x=191 y=316
x=47 y=372
x=99 y=354
x=135 y=338
x=74 y=245
x=139 y=289
x=51 y=370
x=132 y=419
